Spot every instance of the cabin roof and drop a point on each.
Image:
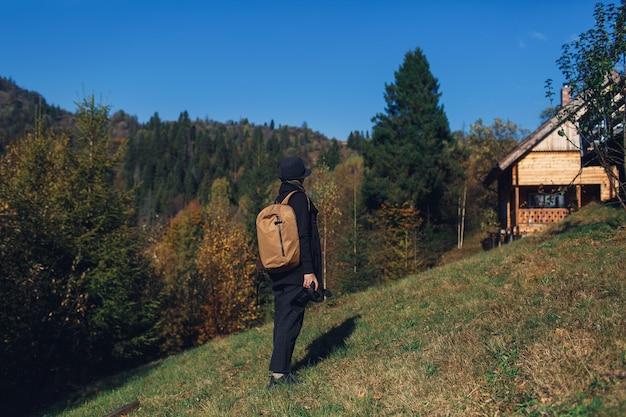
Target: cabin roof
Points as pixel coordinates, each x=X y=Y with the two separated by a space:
x=526 y=145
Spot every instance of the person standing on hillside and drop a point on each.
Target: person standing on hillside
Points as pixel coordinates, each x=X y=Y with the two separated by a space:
x=293 y=289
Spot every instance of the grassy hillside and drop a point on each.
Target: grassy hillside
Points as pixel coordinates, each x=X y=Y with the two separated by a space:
x=536 y=328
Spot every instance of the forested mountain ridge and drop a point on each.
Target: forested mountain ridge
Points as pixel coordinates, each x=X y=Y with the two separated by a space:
x=18 y=109
x=173 y=163
x=170 y=163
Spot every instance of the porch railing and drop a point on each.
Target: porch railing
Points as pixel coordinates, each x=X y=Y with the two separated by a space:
x=540 y=216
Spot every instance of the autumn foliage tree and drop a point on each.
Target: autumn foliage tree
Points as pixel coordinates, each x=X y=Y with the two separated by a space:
x=325 y=194
x=206 y=264
x=348 y=257
x=485 y=145
x=397 y=238
x=173 y=261
x=226 y=266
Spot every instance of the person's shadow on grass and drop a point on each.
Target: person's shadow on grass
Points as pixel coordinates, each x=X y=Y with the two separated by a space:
x=322 y=347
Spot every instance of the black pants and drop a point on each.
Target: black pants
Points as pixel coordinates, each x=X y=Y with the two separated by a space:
x=288 y=319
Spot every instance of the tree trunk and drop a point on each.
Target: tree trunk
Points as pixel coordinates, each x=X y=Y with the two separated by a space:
x=461 y=224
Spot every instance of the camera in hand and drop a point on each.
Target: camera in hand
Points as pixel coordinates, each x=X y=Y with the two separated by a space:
x=309 y=294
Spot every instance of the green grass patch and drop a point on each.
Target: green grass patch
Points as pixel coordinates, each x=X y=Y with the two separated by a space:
x=533 y=328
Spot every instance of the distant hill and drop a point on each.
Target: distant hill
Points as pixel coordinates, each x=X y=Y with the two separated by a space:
x=171 y=162
x=19 y=108
x=18 y=112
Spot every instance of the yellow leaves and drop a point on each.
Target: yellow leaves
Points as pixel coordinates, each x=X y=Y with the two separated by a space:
x=398 y=226
x=399 y=218
x=209 y=271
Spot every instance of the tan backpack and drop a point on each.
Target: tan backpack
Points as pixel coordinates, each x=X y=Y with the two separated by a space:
x=277 y=235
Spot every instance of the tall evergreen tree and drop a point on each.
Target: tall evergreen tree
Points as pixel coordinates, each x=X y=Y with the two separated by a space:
x=331 y=156
x=76 y=295
x=411 y=157
x=355 y=141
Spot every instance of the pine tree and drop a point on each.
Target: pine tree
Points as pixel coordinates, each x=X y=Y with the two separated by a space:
x=73 y=282
x=331 y=156
x=411 y=155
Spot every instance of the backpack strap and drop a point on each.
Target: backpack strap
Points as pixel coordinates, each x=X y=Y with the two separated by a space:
x=286 y=199
x=260 y=275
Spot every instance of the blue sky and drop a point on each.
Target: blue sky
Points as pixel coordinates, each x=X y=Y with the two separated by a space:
x=322 y=62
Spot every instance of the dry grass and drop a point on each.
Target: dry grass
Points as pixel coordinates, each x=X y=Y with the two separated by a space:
x=534 y=328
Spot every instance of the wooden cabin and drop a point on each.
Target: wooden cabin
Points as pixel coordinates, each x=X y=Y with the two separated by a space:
x=544 y=178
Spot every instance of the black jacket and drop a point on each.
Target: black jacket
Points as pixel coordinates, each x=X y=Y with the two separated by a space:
x=310 y=248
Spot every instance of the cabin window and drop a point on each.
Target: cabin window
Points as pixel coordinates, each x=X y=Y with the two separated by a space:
x=543 y=200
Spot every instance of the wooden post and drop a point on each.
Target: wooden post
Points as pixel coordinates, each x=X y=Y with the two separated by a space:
x=514 y=208
x=462 y=218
